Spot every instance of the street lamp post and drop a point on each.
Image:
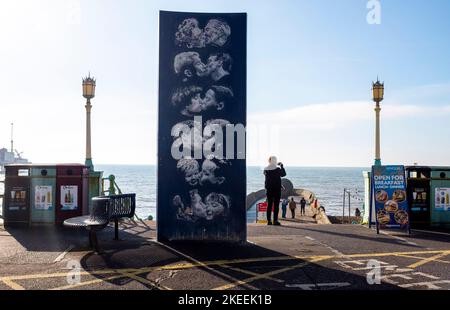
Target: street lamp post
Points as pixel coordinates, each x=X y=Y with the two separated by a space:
x=378 y=95
x=88 y=93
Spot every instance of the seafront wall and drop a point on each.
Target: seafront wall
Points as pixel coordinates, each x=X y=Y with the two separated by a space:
x=319 y=213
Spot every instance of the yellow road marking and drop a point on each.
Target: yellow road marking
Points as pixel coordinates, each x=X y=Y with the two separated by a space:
x=122 y=274
x=84 y=283
x=428 y=260
x=251 y=273
x=418 y=257
x=202 y=264
x=13 y=284
x=265 y=275
x=391 y=254
x=135 y=276
x=221 y=262
x=241 y=261
x=225 y=263
x=57 y=275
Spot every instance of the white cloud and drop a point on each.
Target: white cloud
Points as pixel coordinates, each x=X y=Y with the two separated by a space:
x=329 y=116
x=331 y=134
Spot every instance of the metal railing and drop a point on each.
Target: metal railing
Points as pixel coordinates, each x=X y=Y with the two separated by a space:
x=114 y=189
x=348 y=195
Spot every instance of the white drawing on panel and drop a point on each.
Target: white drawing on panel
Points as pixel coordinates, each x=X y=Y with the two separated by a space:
x=217 y=32
x=196 y=176
x=189 y=64
x=189 y=33
x=213 y=206
x=191 y=97
x=203 y=143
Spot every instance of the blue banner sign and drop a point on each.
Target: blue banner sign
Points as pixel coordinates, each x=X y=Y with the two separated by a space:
x=201 y=127
x=389 y=192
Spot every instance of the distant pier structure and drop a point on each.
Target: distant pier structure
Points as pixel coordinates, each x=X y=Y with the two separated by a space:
x=288 y=191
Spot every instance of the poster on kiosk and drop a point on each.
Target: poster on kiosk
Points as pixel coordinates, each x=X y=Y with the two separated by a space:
x=389 y=197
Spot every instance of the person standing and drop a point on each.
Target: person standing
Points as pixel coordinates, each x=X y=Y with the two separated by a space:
x=302 y=206
x=292 y=207
x=273 y=174
x=358 y=215
x=284 y=208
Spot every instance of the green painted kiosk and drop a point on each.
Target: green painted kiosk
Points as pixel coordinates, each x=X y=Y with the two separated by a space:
x=43 y=193
x=440 y=196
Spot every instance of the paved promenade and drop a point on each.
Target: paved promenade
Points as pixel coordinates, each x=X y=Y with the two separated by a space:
x=297 y=255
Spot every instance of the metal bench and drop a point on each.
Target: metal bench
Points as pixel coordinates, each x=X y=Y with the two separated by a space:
x=104 y=210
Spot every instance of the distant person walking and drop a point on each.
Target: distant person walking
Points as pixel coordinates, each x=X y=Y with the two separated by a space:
x=292 y=207
x=273 y=174
x=302 y=206
x=284 y=205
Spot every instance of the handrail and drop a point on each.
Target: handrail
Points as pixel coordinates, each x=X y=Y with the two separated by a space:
x=347 y=198
x=114 y=190
x=112 y=186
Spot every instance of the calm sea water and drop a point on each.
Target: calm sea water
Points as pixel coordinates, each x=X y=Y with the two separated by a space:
x=327 y=183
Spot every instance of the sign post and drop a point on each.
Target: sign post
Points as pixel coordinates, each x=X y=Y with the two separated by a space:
x=261 y=212
x=390 y=198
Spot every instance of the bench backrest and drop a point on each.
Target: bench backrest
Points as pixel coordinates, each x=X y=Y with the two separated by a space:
x=120 y=206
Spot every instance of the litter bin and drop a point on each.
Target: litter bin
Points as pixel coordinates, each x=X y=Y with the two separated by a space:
x=69 y=191
x=43 y=193
x=16 y=206
x=440 y=196
x=418 y=191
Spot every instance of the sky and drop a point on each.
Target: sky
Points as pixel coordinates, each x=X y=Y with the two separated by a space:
x=310 y=68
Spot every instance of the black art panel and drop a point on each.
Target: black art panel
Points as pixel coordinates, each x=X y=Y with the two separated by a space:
x=202 y=74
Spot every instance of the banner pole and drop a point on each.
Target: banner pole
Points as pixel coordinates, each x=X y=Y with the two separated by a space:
x=371 y=198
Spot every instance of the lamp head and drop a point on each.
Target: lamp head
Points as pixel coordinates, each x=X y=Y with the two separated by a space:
x=378 y=91
x=89 y=87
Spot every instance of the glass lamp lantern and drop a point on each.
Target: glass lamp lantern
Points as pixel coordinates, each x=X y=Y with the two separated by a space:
x=89 y=87
x=378 y=91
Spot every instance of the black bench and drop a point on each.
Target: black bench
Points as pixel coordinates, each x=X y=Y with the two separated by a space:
x=104 y=210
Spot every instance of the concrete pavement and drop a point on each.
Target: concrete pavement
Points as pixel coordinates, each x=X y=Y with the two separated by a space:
x=296 y=255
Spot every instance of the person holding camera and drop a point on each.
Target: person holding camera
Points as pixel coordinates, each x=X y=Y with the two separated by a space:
x=273 y=174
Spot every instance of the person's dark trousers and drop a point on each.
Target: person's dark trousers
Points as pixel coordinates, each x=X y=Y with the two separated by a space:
x=273 y=201
x=283 y=211
x=293 y=213
x=302 y=210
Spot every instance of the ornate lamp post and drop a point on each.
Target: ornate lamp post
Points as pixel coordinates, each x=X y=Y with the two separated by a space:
x=88 y=93
x=378 y=95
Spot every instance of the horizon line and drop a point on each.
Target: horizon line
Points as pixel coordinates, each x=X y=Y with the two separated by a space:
x=252 y=166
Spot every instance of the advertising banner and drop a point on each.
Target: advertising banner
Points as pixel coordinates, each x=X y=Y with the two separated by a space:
x=389 y=190
x=442 y=196
x=43 y=197
x=261 y=213
x=201 y=127
x=18 y=199
x=69 y=197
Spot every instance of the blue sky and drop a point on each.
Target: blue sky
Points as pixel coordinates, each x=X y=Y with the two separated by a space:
x=310 y=67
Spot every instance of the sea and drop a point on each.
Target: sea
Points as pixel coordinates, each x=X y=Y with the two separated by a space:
x=328 y=184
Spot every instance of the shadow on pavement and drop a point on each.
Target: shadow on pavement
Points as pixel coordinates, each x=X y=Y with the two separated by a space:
x=216 y=265
x=138 y=261
x=355 y=236
x=43 y=238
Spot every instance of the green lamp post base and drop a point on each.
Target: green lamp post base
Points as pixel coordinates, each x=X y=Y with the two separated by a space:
x=377 y=162
x=88 y=163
